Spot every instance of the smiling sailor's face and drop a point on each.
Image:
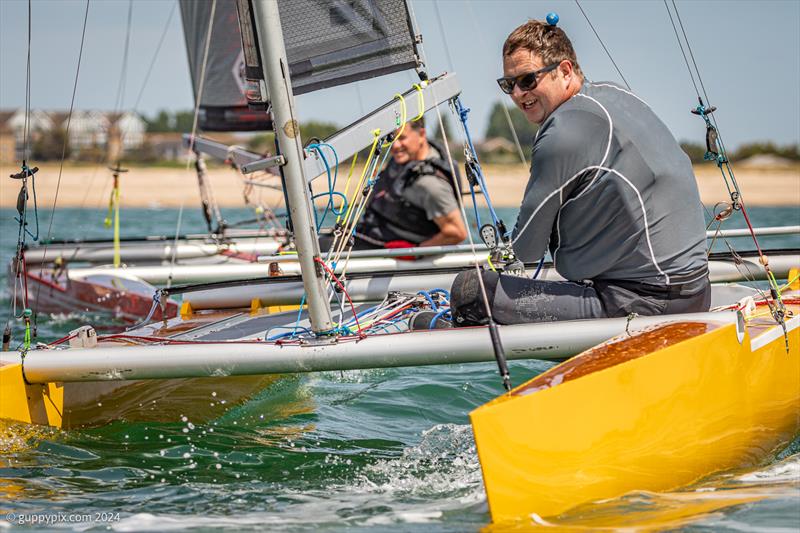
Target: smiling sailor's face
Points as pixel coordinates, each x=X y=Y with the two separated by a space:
x=551 y=89
x=410 y=145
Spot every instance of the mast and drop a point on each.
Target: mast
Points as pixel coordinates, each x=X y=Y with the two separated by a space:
x=287 y=133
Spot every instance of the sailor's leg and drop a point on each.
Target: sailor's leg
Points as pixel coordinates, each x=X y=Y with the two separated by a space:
x=519 y=300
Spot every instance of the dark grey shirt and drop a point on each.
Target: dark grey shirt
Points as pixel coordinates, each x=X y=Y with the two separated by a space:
x=611 y=192
x=430 y=193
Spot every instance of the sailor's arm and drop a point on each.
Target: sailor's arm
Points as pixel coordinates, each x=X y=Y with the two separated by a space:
x=451 y=230
x=569 y=146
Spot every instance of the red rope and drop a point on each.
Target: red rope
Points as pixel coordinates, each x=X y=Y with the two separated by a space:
x=63 y=339
x=339 y=284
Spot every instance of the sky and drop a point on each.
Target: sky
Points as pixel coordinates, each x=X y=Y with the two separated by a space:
x=748 y=53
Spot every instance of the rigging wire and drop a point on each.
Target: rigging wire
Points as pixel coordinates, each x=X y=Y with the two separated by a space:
x=506 y=113
x=493 y=332
x=164 y=32
x=63 y=156
x=26 y=128
x=123 y=75
x=19 y=264
x=577 y=2
x=201 y=84
x=155 y=56
x=705 y=110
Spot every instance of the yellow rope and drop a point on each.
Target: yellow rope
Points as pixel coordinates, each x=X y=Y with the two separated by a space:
x=489 y=260
x=788 y=283
x=377 y=134
x=347 y=183
x=117 y=260
x=420 y=101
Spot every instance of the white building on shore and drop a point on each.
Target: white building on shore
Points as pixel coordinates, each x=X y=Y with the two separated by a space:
x=107 y=132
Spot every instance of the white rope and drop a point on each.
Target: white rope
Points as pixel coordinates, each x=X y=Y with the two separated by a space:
x=202 y=83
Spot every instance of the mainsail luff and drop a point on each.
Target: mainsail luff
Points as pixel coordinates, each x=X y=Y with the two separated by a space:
x=287 y=134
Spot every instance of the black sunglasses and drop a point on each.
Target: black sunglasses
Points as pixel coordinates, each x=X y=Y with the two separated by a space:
x=526 y=81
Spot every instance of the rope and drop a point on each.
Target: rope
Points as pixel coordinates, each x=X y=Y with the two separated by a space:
x=331 y=183
x=344 y=291
x=155 y=56
x=603 y=45
x=26 y=128
x=777 y=307
x=201 y=86
x=484 y=46
x=420 y=101
x=63 y=156
x=124 y=68
x=473 y=158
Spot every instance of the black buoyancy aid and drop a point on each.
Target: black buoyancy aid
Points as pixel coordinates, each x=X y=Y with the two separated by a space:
x=388 y=206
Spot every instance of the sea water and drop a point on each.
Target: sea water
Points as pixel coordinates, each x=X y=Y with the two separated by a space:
x=387 y=450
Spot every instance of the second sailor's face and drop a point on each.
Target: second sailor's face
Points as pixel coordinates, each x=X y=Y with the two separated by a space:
x=538 y=103
x=408 y=146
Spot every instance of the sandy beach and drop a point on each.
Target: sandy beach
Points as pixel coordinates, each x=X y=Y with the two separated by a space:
x=89 y=186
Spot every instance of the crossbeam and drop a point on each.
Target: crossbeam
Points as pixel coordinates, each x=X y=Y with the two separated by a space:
x=358 y=135
x=220 y=151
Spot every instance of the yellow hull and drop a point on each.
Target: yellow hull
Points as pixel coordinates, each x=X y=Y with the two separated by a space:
x=65 y=405
x=655 y=411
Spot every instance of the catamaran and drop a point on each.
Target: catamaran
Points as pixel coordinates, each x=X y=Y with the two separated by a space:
x=634 y=407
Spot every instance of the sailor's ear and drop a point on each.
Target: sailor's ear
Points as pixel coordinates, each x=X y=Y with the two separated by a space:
x=566 y=69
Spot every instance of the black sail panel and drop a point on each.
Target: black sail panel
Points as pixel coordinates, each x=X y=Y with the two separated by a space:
x=223 y=106
x=328 y=43
x=333 y=42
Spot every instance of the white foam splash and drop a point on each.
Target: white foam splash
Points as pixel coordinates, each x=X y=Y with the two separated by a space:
x=780 y=472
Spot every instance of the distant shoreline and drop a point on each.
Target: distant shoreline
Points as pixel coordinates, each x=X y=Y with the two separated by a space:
x=89 y=186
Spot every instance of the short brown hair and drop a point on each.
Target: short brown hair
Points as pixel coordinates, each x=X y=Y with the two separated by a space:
x=418 y=124
x=549 y=42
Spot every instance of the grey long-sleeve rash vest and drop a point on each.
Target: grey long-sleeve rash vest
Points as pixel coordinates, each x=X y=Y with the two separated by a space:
x=612 y=193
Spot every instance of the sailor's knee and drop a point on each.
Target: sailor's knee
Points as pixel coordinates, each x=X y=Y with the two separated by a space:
x=470 y=295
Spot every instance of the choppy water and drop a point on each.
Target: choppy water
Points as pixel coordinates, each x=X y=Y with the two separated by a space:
x=379 y=449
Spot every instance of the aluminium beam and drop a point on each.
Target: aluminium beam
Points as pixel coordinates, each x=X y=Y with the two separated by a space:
x=359 y=135
x=221 y=151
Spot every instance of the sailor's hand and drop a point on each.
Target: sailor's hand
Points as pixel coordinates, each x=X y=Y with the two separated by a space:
x=400 y=243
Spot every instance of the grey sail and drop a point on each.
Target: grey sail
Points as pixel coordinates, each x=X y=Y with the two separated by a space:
x=333 y=42
x=223 y=106
x=328 y=43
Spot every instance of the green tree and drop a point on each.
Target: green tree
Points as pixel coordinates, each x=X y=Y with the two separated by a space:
x=498 y=125
x=789 y=151
x=317 y=130
x=262 y=143
x=160 y=123
x=695 y=151
x=183 y=121
x=436 y=130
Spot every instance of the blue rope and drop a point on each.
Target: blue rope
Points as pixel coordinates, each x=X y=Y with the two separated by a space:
x=331 y=182
x=428 y=297
x=475 y=205
x=462 y=113
x=437 y=316
x=444 y=292
x=538 y=268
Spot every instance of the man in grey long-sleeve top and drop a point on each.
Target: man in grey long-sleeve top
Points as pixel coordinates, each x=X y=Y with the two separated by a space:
x=611 y=194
